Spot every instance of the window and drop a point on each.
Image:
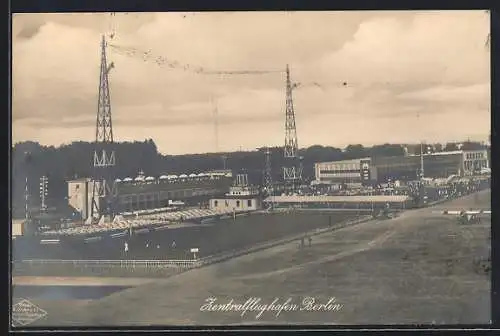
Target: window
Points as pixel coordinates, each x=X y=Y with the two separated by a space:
x=216 y=203
x=238 y=204
x=249 y=203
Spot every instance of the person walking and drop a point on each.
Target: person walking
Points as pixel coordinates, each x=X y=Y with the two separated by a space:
x=125 y=250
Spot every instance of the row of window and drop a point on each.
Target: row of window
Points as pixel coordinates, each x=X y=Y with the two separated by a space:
x=478 y=164
x=340 y=171
x=474 y=156
x=340 y=166
x=238 y=203
x=338 y=178
x=168 y=194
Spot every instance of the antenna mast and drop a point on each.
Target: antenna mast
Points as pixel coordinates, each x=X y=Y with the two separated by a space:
x=103 y=188
x=292 y=172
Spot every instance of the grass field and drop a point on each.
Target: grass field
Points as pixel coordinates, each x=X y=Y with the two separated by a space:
x=417 y=268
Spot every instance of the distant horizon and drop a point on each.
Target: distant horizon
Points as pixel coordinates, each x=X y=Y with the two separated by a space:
x=475 y=139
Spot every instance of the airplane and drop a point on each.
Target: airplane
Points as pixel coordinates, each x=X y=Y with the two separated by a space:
x=466 y=216
x=485 y=171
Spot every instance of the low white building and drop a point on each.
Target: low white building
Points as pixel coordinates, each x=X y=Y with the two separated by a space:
x=241 y=197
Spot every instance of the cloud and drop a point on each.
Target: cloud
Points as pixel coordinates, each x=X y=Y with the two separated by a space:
x=359 y=71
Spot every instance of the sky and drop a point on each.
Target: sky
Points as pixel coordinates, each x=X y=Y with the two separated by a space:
x=366 y=78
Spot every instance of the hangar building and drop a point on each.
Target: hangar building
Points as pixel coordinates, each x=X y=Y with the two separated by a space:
x=380 y=169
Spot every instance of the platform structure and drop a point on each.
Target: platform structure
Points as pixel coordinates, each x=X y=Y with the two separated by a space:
x=361 y=202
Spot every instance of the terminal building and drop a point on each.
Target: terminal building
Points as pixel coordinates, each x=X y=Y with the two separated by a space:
x=367 y=171
x=147 y=192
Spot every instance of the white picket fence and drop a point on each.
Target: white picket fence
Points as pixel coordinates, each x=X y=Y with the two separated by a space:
x=116 y=263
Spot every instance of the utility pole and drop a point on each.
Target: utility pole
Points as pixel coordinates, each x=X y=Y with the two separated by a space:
x=224 y=161
x=27 y=212
x=421 y=160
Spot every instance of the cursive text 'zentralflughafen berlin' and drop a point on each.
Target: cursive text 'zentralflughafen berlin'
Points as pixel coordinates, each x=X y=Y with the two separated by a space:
x=308 y=304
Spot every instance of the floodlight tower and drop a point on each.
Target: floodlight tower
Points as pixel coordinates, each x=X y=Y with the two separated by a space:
x=103 y=186
x=292 y=171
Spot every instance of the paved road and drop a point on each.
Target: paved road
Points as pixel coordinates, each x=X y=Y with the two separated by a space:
x=417 y=268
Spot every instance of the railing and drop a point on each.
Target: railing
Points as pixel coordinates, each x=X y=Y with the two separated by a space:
x=114 y=268
x=116 y=263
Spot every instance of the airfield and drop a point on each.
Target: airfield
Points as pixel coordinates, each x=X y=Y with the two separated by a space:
x=415 y=269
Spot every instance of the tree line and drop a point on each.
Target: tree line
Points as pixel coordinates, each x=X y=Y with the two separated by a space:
x=60 y=164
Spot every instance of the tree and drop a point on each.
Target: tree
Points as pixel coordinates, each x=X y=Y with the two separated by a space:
x=450 y=147
x=471 y=145
x=355 y=152
x=386 y=150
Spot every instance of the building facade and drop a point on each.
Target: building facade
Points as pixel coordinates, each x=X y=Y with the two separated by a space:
x=382 y=169
x=143 y=193
x=235 y=203
x=241 y=197
x=350 y=172
x=80 y=195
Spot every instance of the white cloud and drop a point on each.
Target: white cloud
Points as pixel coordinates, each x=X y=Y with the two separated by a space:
x=376 y=71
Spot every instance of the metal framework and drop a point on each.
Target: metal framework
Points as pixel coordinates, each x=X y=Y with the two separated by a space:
x=103 y=187
x=268 y=179
x=292 y=171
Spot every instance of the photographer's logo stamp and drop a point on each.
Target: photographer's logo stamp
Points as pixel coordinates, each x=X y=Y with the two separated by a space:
x=25 y=312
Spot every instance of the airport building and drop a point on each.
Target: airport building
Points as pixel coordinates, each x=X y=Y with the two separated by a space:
x=366 y=171
x=142 y=193
x=241 y=197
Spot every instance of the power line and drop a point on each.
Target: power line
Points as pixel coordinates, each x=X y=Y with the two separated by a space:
x=149 y=57
x=162 y=61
